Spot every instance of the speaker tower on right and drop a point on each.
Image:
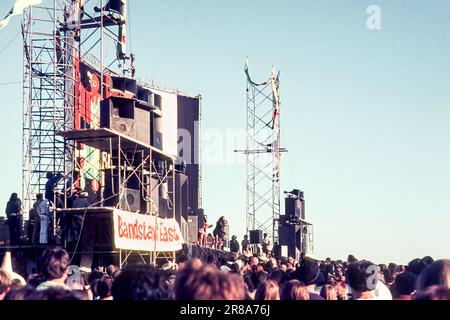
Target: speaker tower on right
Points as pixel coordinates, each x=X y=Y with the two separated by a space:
x=295 y=232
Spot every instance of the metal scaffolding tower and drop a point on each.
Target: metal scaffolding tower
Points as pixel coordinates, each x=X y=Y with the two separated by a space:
x=47 y=87
x=263 y=155
x=58 y=37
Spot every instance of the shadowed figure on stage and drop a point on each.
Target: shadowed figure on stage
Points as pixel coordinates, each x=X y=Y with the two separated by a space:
x=219 y=232
x=14 y=214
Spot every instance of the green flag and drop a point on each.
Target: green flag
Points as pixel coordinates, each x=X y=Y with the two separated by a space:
x=18 y=8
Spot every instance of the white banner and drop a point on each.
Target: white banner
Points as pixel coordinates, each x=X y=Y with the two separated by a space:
x=18 y=8
x=133 y=231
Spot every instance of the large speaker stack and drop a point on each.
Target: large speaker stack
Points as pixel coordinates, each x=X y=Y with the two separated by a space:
x=135 y=112
x=289 y=228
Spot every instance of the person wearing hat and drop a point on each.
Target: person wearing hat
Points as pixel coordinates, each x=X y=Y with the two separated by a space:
x=308 y=272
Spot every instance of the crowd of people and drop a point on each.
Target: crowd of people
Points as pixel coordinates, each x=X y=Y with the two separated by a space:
x=240 y=278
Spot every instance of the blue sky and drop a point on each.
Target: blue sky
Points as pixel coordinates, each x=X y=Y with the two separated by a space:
x=365 y=113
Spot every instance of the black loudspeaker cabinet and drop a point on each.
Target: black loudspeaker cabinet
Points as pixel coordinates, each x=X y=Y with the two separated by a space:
x=143 y=126
x=280 y=251
x=292 y=207
x=156 y=131
x=131 y=193
x=130 y=200
x=118 y=114
x=125 y=84
x=290 y=236
x=256 y=236
x=145 y=97
x=192 y=229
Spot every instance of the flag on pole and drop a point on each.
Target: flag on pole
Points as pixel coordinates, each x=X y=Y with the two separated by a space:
x=18 y=8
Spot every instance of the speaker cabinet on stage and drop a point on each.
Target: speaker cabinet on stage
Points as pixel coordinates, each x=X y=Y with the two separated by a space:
x=124 y=87
x=280 y=251
x=290 y=236
x=118 y=115
x=256 y=236
x=192 y=229
x=181 y=195
x=292 y=207
x=130 y=200
x=156 y=131
x=142 y=122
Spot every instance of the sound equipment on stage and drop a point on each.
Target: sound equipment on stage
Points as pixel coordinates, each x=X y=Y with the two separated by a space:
x=290 y=236
x=156 y=131
x=184 y=228
x=145 y=97
x=200 y=213
x=118 y=115
x=123 y=87
x=143 y=125
x=192 y=229
x=256 y=236
x=292 y=207
x=280 y=251
x=181 y=195
x=130 y=200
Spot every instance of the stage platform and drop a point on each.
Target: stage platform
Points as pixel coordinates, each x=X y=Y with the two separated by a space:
x=105 y=139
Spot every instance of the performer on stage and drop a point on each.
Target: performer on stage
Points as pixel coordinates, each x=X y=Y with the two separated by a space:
x=203 y=231
x=14 y=214
x=219 y=232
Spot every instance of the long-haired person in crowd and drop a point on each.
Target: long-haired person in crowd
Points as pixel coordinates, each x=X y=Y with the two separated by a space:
x=294 y=290
x=197 y=281
x=328 y=292
x=267 y=290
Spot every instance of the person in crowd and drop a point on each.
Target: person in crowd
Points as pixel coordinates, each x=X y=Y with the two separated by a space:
x=111 y=270
x=55 y=267
x=308 y=272
x=267 y=290
x=404 y=286
x=328 y=292
x=140 y=282
x=14 y=214
x=435 y=274
x=433 y=293
x=34 y=280
x=196 y=281
x=363 y=277
x=219 y=232
x=234 y=245
x=104 y=288
x=294 y=290
x=5 y=284
x=341 y=291
x=416 y=266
